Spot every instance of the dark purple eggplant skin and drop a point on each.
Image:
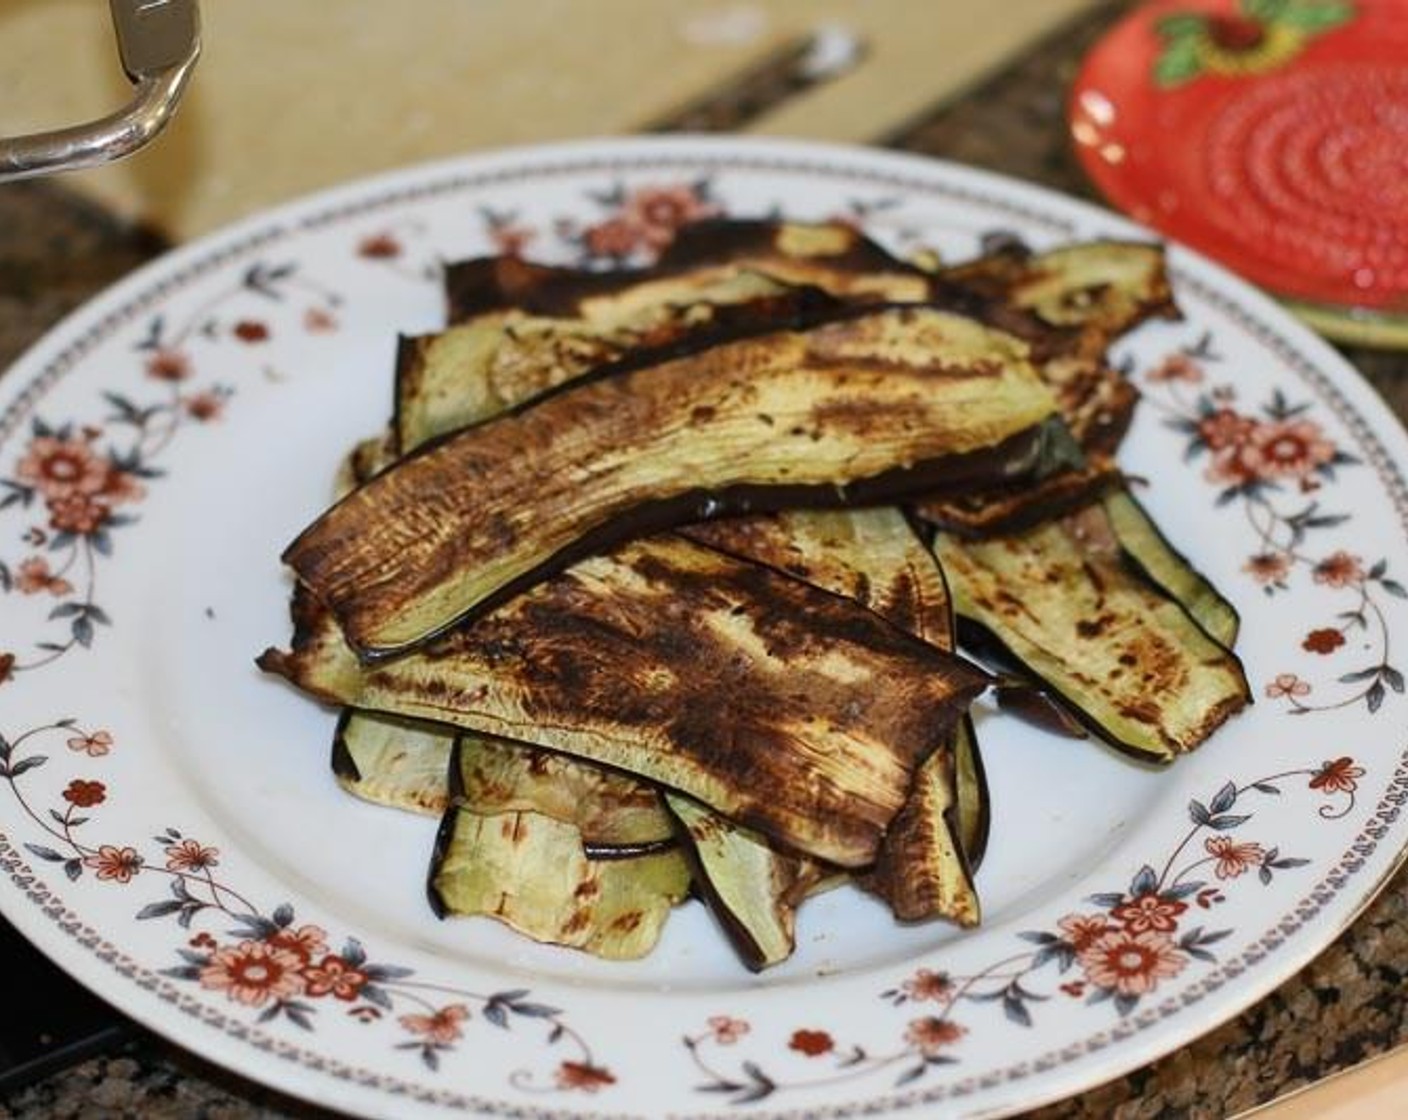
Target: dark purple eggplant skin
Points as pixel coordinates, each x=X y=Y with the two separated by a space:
x=443 y=834
x=628 y=851
x=343 y=765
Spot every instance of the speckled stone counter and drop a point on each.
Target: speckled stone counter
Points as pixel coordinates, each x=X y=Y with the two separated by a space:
x=1348 y=1005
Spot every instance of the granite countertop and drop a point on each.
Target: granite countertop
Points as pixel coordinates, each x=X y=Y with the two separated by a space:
x=56 y=251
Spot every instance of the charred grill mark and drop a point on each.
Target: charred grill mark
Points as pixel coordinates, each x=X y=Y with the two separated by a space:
x=765 y=243
x=1095 y=578
x=1093 y=628
x=1141 y=711
x=901 y=602
x=860 y=415
x=1117 y=647
x=765 y=695
x=475 y=287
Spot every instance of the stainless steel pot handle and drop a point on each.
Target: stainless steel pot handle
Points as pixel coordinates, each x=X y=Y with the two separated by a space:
x=159 y=42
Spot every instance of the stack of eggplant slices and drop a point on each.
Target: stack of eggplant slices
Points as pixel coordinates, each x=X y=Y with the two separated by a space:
x=654 y=588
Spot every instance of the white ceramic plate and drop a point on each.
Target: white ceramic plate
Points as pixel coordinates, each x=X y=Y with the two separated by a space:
x=171 y=835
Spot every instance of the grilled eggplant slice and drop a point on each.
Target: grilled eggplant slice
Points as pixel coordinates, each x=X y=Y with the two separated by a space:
x=627 y=660
x=500 y=357
x=828 y=255
x=608 y=808
x=1096 y=401
x=921 y=870
x=1144 y=544
x=1010 y=509
x=508 y=315
x=751 y=886
x=972 y=803
x=870 y=555
x=1126 y=658
x=1109 y=287
x=401 y=763
x=704 y=254
x=530 y=872
x=889 y=402
x=876 y=558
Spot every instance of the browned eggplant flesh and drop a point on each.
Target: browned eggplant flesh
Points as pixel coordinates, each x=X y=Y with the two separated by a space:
x=655 y=585
x=876 y=406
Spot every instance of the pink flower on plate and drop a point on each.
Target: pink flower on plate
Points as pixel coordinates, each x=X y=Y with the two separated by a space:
x=1131 y=964
x=319 y=320
x=1339 y=569
x=1287 y=684
x=253 y=972
x=1149 y=911
x=659 y=212
x=190 y=855
x=121 y=486
x=1176 y=367
x=1233 y=859
x=930 y=1035
x=614 y=237
x=94 y=745
x=306 y=942
x=927 y=984
x=443 y=1027
x=167 y=364
x=1225 y=428
x=1287 y=449
x=203 y=407
x=61 y=469
x=727 y=1030
x=113 y=864
x=1082 y=930
x=811 y=1043
x=335 y=977
x=251 y=331
x=583 y=1076
x=1339 y=776
x=1323 y=641
x=1268 y=567
x=34 y=576
x=84 y=794
x=379 y=247
x=79 y=514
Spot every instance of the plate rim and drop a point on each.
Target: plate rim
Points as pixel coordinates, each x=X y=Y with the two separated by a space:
x=445 y=176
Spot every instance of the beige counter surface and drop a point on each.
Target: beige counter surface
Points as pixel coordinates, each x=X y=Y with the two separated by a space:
x=294 y=95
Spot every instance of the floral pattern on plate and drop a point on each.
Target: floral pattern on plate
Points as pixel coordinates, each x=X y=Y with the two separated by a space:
x=80 y=483
x=269 y=964
x=1274 y=463
x=1117 y=951
x=208 y=919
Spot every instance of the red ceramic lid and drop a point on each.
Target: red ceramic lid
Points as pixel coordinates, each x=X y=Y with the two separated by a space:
x=1269 y=134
